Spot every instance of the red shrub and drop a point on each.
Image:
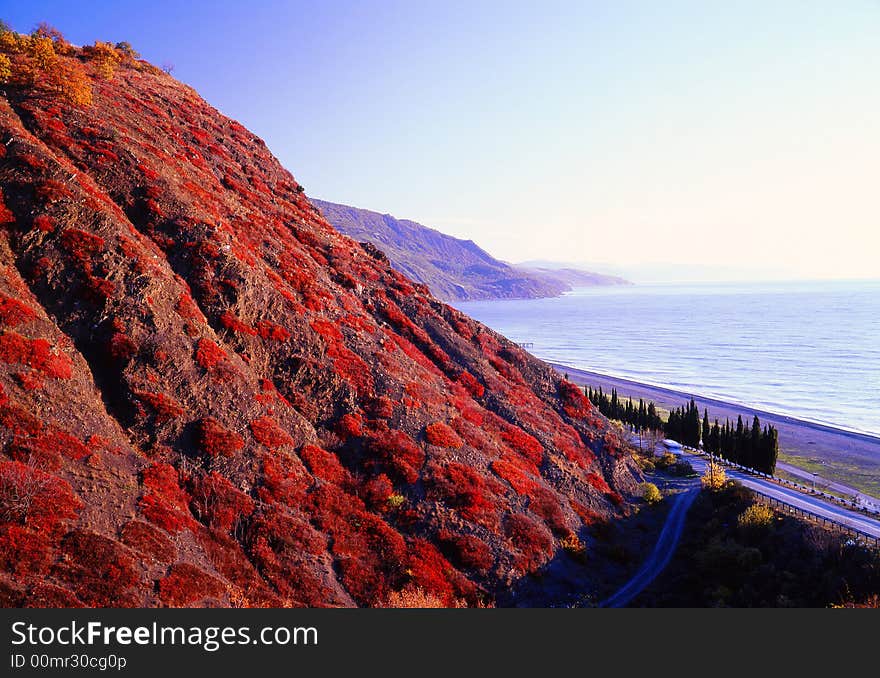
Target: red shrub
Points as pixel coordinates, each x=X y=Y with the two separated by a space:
x=56 y=442
x=6 y=217
x=164 y=502
x=24 y=551
x=32 y=161
x=548 y=505
x=18 y=420
x=574 y=400
x=164 y=407
x=324 y=465
x=187 y=308
x=466 y=550
x=598 y=482
x=382 y=407
x=524 y=444
x=30 y=381
x=514 y=474
x=431 y=572
x=396 y=452
x=267 y=431
x=470 y=383
x=588 y=516
x=533 y=541
x=51 y=191
x=215 y=440
x=44 y=223
x=13 y=312
x=352 y=368
x=218 y=503
x=464 y=489
x=209 y=355
x=81 y=244
x=35 y=499
x=272 y=332
x=230 y=322
x=376 y=492
x=350 y=426
x=121 y=347
x=36 y=354
x=186 y=584
x=369 y=555
x=284 y=482
x=442 y=435
x=45 y=595
x=99 y=570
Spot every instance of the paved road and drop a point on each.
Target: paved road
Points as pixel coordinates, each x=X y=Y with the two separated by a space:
x=803 y=501
x=814 y=479
x=662 y=553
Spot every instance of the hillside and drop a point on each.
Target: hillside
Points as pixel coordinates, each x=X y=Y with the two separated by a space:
x=208 y=396
x=453 y=269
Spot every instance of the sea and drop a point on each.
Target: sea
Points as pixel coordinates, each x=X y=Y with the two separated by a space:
x=805 y=349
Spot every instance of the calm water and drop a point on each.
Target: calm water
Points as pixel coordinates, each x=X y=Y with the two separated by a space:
x=811 y=350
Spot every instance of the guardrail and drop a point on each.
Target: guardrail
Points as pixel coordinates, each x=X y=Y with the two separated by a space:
x=868 y=540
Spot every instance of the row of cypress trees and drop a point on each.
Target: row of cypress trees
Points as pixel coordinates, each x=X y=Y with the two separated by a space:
x=756 y=447
x=642 y=417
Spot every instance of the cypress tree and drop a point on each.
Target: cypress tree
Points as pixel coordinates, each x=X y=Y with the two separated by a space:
x=756 y=459
x=654 y=421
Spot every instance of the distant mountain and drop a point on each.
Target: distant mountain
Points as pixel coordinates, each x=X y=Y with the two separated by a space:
x=453 y=269
x=574 y=277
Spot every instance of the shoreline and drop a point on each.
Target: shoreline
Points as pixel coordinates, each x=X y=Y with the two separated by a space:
x=846 y=460
x=671 y=392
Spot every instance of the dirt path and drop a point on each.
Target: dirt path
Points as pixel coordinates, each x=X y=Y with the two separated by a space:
x=660 y=556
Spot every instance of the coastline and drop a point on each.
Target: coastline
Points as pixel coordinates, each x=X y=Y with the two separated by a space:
x=846 y=460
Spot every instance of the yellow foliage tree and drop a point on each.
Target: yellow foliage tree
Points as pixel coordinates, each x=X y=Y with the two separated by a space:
x=5 y=68
x=756 y=516
x=13 y=42
x=42 y=51
x=714 y=478
x=69 y=79
x=105 y=57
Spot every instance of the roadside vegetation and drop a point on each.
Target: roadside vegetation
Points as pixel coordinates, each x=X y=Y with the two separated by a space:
x=738 y=553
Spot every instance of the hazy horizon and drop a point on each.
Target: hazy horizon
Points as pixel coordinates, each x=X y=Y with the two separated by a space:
x=740 y=138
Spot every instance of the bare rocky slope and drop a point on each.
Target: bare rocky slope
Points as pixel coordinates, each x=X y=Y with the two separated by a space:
x=453 y=269
x=208 y=396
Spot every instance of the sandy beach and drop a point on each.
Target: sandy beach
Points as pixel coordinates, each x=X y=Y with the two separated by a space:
x=845 y=461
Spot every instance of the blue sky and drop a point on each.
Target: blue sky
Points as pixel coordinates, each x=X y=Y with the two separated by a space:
x=738 y=136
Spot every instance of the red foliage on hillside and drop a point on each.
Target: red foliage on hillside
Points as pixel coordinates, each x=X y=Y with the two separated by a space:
x=274 y=415
x=215 y=440
x=441 y=435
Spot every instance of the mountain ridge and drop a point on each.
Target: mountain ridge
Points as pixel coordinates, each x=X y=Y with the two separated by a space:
x=208 y=396
x=453 y=268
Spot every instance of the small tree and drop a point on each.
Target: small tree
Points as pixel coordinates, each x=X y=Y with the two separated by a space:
x=714 y=478
x=72 y=83
x=756 y=516
x=651 y=493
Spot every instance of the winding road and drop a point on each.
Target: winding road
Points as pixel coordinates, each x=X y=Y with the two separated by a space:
x=674 y=525
x=662 y=553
